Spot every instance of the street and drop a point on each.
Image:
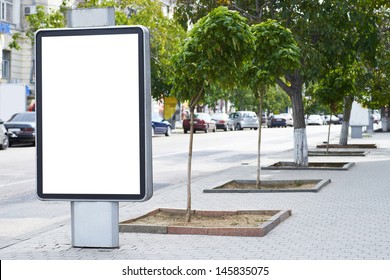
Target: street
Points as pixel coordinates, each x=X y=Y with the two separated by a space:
x=22 y=214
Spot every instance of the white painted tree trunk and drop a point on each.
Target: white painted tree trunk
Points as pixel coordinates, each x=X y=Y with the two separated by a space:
x=301 y=151
x=344 y=133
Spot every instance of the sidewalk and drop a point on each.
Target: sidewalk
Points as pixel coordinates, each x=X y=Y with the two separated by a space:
x=347 y=219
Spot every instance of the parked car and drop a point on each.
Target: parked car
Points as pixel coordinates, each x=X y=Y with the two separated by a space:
x=222 y=121
x=276 y=121
x=376 y=116
x=202 y=122
x=160 y=126
x=244 y=119
x=263 y=119
x=21 y=128
x=315 y=120
x=288 y=117
x=4 y=142
x=333 y=119
x=341 y=118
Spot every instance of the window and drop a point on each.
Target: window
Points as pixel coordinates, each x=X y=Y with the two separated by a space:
x=6 y=65
x=6 y=12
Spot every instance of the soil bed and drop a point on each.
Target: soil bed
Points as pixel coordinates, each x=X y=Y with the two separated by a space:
x=231 y=223
x=312 y=165
x=245 y=186
x=337 y=153
x=349 y=146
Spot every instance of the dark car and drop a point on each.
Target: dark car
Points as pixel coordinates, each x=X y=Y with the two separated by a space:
x=21 y=128
x=3 y=136
x=222 y=121
x=161 y=126
x=202 y=122
x=276 y=121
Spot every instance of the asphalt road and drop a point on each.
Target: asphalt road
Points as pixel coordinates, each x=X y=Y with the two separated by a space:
x=22 y=214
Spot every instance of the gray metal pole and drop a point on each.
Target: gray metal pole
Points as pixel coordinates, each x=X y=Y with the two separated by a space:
x=94 y=224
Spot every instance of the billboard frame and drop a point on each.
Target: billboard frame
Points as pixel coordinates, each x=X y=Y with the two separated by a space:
x=45 y=145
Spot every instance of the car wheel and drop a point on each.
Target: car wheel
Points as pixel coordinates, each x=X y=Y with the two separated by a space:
x=225 y=128
x=238 y=127
x=5 y=144
x=153 y=132
x=169 y=131
x=215 y=129
x=207 y=129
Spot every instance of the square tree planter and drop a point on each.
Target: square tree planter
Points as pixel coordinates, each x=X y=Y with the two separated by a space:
x=349 y=146
x=226 y=223
x=312 y=165
x=325 y=153
x=270 y=186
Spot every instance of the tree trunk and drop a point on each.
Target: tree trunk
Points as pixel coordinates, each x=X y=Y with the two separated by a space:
x=301 y=151
x=189 y=164
x=260 y=117
x=193 y=104
x=346 y=117
x=327 y=143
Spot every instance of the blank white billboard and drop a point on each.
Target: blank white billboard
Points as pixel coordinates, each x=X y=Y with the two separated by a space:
x=93 y=114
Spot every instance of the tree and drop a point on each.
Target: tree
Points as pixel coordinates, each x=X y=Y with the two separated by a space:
x=213 y=54
x=276 y=53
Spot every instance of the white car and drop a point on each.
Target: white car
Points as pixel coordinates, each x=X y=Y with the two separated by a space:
x=288 y=117
x=314 y=120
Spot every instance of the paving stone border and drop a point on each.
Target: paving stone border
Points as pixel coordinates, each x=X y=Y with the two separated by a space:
x=283 y=165
x=318 y=184
x=277 y=217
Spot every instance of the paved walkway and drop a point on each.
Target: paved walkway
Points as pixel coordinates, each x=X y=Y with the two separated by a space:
x=347 y=219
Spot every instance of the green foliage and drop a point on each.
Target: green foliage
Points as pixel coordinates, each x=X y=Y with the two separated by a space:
x=188 y=12
x=275 y=100
x=44 y=20
x=165 y=36
x=213 y=54
x=15 y=38
x=276 y=53
x=330 y=33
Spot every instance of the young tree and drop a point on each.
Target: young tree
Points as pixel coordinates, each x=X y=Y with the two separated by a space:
x=276 y=53
x=214 y=53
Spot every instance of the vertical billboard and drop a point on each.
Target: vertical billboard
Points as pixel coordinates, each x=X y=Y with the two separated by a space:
x=93 y=107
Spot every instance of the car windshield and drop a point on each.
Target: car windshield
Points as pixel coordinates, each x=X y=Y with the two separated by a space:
x=221 y=116
x=23 y=118
x=202 y=116
x=249 y=115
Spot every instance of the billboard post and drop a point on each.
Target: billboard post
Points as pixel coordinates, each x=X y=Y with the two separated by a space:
x=93 y=82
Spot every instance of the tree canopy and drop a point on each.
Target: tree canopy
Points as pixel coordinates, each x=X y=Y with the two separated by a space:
x=214 y=53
